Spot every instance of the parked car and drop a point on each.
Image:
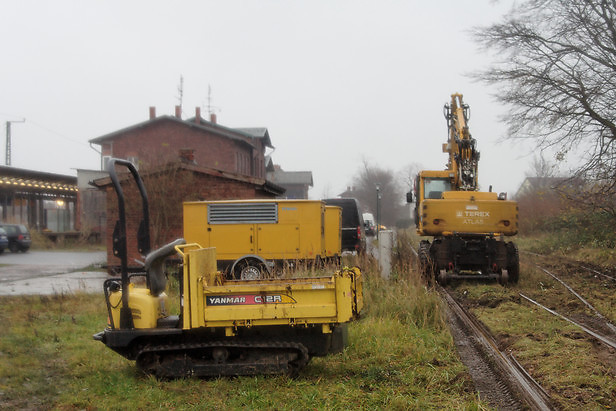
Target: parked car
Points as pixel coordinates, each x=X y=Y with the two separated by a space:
x=353 y=234
x=18 y=236
x=4 y=240
x=369 y=224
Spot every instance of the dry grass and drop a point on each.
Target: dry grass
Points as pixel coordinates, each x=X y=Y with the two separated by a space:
x=400 y=356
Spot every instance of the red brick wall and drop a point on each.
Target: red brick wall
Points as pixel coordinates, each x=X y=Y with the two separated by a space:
x=159 y=142
x=166 y=195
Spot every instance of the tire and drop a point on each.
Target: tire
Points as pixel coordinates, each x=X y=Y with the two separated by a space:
x=513 y=262
x=13 y=247
x=249 y=269
x=425 y=262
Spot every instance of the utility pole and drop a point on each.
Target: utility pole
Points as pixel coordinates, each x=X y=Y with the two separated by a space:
x=8 y=140
x=378 y=210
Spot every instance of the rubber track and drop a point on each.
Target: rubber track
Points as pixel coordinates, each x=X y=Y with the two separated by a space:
x=297 y=365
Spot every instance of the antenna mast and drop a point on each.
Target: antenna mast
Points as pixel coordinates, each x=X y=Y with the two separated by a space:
x=181 y=92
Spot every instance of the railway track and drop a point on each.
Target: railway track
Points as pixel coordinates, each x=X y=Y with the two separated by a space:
x=588 y=328
x=498 y=377
x=577 y=296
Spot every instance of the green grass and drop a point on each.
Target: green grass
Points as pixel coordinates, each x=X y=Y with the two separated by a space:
x=558 y=354
x=401 y=356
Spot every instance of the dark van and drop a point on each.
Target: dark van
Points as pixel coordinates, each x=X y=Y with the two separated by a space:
x=353 y=236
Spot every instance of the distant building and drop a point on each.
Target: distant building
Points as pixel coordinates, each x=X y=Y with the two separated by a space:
x=348 y=193
x=92 y=214
x=205 y=143
x=296 y=183
x=44 y=202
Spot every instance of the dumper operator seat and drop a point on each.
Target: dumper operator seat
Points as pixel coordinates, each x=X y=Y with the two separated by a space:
x=155 y=266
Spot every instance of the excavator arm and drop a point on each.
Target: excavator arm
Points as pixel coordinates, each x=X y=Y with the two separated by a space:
x=461 y=146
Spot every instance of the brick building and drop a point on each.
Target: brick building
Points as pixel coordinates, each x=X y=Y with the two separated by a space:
x=159 y=139
x=168 y=187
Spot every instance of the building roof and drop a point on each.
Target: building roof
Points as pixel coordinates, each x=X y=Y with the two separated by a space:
x=291 y=177
x=267 y=186
x=36 y=181
x=234 y=134
x=258 y=132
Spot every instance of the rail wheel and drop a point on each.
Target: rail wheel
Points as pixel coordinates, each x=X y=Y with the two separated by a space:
x=504 y=277
x=442 y=277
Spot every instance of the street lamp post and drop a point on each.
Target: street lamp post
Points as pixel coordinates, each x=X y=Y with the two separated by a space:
x=378 y=210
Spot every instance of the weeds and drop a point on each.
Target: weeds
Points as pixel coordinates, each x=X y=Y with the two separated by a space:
x=400 y=356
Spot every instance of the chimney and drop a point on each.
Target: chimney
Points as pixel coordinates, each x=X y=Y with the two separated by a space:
x=178 y=111
x=187 y=155
x=152 y=112
x=197 y=115
x=213 y=118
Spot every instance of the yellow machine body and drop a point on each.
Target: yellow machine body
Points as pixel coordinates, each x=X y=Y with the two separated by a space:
x=448 y=212
x=271 y=229
x=211 y=301
x=145 y=308
x=333 y=231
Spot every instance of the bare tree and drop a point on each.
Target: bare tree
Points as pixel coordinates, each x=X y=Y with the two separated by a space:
x=391 y=197
x=557 y=73
x=408 y=174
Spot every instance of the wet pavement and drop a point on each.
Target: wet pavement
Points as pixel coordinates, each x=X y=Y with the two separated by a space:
x=51 y=272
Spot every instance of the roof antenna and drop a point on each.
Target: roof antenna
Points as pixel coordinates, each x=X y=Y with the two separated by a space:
x=211 y=110
x=181 y=92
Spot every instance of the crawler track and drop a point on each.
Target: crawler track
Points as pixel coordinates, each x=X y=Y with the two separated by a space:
x=213 y=359
x=499 y=378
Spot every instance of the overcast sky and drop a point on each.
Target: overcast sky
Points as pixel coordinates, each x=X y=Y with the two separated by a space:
x=335 y=82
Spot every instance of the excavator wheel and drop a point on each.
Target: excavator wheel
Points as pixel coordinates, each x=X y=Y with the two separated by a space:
x=425 y=263
x=513 y=262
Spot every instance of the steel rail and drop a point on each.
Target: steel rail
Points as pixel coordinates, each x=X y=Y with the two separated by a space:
x=518 y=379
x=598 y=336
x=592 y=270
x=586 y=303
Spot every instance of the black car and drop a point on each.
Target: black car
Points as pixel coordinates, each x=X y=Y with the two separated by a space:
x=353 y=235
x=4 y=241
x=19 y=237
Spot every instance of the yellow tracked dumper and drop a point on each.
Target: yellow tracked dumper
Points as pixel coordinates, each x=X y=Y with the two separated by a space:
x=468 y=226
x=224 y=327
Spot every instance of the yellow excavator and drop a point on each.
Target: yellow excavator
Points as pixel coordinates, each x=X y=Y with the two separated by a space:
x=223 y=327
x=468 y=226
